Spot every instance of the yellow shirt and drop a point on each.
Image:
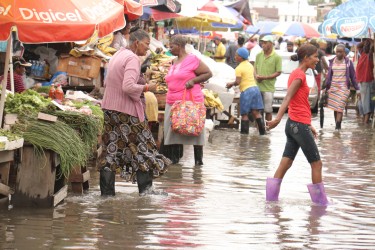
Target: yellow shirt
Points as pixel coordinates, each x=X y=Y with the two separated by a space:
x=245 y=70
x=220 y=51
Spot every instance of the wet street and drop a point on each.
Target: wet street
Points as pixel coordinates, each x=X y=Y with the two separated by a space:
x=221 y=205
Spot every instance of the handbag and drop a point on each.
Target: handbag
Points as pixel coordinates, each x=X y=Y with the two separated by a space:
x=188 y=117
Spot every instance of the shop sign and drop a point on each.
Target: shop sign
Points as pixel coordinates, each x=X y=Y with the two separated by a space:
x=327 y=26
x=171 y=5
x=97 y=10
x=149 y=2
x=351 y=26
x=4 y=10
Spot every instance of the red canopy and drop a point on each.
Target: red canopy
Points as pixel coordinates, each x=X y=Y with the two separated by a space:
x=40 y=21
x=132 y=9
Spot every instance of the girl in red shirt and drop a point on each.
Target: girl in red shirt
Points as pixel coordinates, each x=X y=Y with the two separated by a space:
x=298 y=129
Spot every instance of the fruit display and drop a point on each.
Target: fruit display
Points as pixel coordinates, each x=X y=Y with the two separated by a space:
x=160 y=65
x=212 y=100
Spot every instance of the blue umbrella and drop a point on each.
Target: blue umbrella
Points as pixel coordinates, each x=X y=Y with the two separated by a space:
x=264 y=27
x=350 y=19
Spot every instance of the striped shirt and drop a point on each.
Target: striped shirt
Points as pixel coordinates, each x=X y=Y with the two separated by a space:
x=18 y=82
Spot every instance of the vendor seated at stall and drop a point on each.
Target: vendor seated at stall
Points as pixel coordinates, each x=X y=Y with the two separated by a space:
x=19 y=70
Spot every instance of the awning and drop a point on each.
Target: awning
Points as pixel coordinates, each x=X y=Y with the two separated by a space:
x=162 y=5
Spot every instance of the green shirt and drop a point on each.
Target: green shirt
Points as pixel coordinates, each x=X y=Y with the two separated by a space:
x=266 y=66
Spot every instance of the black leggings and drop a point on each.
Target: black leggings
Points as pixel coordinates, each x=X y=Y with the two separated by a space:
x=299 y=135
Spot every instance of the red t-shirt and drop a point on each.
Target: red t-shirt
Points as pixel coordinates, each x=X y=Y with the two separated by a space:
x=299 y=107
x=364 y=68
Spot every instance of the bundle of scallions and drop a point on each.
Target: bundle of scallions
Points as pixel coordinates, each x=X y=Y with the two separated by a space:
x=58 y=137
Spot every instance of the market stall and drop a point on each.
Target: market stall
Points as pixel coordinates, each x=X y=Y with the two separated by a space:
x=56 y=144
x=59 y=140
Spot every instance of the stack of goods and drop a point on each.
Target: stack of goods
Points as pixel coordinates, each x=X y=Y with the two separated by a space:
x=160 y=65
x=212 y=100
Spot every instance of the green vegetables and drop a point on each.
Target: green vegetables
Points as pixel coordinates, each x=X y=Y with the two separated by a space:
x=27 y=102
x=10 y=135
x=88 y=127
x=60 y=138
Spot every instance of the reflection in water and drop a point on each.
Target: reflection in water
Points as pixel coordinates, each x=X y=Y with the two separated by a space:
x=221 y=205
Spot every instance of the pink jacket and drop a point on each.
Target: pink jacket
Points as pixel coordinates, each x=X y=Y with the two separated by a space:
x=122 y=93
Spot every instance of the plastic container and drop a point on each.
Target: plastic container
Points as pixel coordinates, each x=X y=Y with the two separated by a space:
x=59 y=93
x=52 y=92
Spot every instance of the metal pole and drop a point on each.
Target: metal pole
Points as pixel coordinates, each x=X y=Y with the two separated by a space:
x=4 y=83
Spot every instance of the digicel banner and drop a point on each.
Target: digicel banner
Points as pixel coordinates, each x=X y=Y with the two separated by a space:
x=51 y=20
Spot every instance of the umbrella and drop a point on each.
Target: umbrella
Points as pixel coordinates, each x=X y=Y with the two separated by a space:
x=162 y=5
x=264 y=27
x=243 y=8
x=41 y=21
x=350 y=19
x=295 y=29
x=239 y=24
x=132 y=9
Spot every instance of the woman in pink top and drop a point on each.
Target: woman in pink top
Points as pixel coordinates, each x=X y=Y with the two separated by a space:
x=298 y=129
x=187 y=72
x=127 y=139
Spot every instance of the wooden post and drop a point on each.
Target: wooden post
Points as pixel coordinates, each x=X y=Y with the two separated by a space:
x=79 y=179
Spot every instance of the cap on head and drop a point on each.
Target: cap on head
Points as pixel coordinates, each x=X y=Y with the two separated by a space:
x=267 y=38
x=243 y=52
x=20 y=61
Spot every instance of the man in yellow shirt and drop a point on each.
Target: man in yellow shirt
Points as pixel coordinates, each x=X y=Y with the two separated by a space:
x=220 y=50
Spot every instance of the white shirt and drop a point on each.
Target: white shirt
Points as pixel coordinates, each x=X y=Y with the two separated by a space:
x=119 y=41
x=254 y=52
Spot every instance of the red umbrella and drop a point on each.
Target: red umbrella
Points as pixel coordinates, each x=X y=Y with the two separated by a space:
x=41 y=21
x=132 y=9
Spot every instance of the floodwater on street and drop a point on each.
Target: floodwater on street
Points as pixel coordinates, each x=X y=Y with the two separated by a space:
x=221 y=205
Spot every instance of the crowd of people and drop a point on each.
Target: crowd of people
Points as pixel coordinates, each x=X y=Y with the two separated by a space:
x=128 y=141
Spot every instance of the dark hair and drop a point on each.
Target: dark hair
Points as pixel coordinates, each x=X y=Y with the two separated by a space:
x=137 y=34
x=179 y=40
x=241 y=40
x=304 y=51
x=315 y=43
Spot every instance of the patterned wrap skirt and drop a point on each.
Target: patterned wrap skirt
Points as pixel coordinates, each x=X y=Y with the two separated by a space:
x=128 y=144
x=337 y=96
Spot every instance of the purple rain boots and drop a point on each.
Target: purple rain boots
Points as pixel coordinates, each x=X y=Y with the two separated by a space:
x=273 y=189
x=317 y=193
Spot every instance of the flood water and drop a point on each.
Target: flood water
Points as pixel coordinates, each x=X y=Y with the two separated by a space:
x=221 y=205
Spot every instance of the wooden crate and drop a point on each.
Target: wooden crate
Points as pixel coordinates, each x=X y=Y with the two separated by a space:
x=39 y=181
x=161 y=100
x=6 y=157
x=79 y=179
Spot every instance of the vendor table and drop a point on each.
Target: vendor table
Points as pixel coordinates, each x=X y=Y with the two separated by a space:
x=6 y=157
x=39 y=181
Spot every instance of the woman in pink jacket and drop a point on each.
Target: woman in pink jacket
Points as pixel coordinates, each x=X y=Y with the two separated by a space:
x=127 y=139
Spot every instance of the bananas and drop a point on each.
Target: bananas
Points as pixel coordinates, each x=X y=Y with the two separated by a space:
x=212 y=100
x=160 y=65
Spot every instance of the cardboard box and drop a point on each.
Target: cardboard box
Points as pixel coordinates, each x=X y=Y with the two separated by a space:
x=77 y=81
x=87 y=67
